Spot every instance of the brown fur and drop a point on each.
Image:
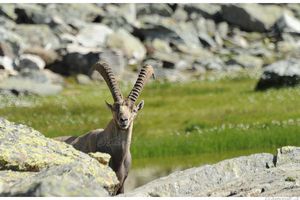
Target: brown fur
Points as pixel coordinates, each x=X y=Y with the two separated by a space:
x=115 y=139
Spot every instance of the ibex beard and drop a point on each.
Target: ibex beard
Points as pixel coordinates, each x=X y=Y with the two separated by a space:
x=115 y=139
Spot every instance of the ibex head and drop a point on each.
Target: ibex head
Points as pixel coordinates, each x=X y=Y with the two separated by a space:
x=123 y=109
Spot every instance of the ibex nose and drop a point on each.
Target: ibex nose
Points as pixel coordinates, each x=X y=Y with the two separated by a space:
x=123 y=119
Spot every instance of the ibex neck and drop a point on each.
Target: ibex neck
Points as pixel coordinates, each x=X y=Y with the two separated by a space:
x=122 y=137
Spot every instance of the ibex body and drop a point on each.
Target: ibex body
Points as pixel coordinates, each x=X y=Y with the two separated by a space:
x=115 y=139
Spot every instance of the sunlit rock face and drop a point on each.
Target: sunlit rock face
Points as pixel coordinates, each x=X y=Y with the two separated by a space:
x=33 y=165
x=255 y=175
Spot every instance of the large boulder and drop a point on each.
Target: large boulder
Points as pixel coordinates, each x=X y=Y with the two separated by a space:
x=29 y=61
x=38 y=35
x=79 y=60
x=33 y=165
x=76 y=60
x=93 y=35
x=251 y=17
x=169 y=30
x=247 y=61
x=255 y=175
x=280 y=74
x=15 y=41
x=287 y=24
x=131 y=46
x=38 y=82
x=31 y=14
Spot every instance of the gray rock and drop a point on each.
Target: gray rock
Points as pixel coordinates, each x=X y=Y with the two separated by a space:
x=153 y=8
x=31 y=14
x=67 y=39
x=76 y=14
x=15 y=41
x=131 y=46
x=206 y=27
x=102 y=158
x=93 y=35
x=161 y=46
x=187 y=32
x=83 y=79
x=203 y=9
x=29 y=61
x=166 y=29
x=251 y=17
x=254 y=175
x=180 y=14
x=223 y=29
x=127 y=11
x=288 y=24
x=116 y=59
x=295 y=8
x=168 y=60
x=170 y=75
x=117 y=17
x=8 y=10
x=6 y=49
x=236 y=40
x=38 y=35
x=33 y=165
x=282 y=73
x=77 y=60
x=154 y=63
x=214 y=63
x=286 y=47
x=206 y=40
x=48 y=55
x=6 y=63
x=166 y=71
x=31 y=82
x=53 y=77
x=247 y=61
x=7 y=23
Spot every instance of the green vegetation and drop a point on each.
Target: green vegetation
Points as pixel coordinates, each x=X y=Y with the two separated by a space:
x=192 y=123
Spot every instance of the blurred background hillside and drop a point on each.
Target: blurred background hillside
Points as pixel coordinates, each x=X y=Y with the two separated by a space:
x=226 y=76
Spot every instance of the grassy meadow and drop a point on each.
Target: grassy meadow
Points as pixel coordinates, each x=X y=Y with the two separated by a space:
x=181 y=123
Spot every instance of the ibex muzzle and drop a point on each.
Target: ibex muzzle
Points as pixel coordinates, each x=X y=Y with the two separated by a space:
x=115 y=139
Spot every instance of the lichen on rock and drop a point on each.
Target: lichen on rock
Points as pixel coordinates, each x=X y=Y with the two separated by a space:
x=34 y=165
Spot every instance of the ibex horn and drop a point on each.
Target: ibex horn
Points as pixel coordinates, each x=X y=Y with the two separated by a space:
x=106 y=72
x=145 y=73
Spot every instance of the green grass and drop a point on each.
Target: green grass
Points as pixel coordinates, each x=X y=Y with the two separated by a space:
x=205 y=121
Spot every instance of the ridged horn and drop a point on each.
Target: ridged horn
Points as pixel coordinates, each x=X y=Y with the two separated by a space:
x=105 y=70
x=145 y=73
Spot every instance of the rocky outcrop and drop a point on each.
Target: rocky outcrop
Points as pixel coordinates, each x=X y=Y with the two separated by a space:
x=283 y=73
x=252 y=17
x=185 y=38
x=37 y=82
x=254 y=175
x=288 y=24
x=33 y=165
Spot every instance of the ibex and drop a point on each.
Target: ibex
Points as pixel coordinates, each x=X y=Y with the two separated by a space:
x=115 y=139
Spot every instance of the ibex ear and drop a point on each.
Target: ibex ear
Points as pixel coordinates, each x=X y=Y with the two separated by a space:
x=140 y=105
x=109 y=105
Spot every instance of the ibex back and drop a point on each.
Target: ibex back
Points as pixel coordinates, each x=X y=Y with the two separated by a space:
x=115 y=139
